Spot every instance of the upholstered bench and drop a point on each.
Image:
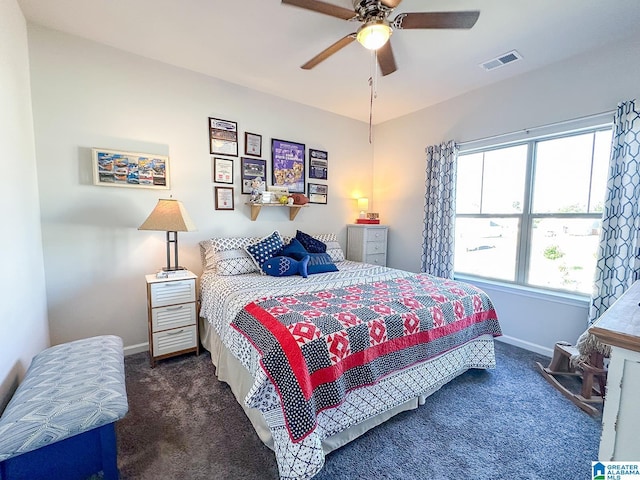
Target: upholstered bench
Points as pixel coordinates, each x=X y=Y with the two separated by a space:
x=60 y=423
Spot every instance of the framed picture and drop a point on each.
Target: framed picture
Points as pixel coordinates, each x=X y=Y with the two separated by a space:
x=318 y=193
x=114 y=168
x=254 y=174
x=224 y=198
x=223 y=137
x=318 y=164
x=252 y=144
x=287 y=165
x=222 y=170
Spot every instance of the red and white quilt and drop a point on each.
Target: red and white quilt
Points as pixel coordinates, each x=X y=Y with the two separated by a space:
x=316 y=347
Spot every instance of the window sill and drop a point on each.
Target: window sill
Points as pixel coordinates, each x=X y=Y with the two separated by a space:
x=532 y=292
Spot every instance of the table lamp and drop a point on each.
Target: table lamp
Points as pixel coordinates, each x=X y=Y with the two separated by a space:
x=169 y=216
x=363 y=206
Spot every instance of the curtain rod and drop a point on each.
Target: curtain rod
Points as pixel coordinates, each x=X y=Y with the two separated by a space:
x=540 y=127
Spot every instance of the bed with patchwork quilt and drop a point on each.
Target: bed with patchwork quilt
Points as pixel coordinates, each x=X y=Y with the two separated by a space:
x=317 y=361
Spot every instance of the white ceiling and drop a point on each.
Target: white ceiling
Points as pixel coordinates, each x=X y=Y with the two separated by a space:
x=261 y=44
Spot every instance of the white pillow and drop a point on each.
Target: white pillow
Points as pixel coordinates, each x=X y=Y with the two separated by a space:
x=333 y=247
x=226 y=255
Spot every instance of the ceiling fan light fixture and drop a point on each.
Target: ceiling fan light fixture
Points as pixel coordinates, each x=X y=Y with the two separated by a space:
x=373 y=35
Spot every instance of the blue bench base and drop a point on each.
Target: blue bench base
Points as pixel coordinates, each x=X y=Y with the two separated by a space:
x=74 y=458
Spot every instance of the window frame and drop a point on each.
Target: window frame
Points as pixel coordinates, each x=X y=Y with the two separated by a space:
x=527 y=218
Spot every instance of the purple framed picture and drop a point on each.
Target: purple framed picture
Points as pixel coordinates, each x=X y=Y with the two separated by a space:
x=287 y=165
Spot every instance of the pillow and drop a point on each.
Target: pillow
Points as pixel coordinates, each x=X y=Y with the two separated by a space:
x=333 y=247
x=294 y=250
x=226 y=255
x=320 y=263
x=263 y=250
x=285 y=266
x=311 y=244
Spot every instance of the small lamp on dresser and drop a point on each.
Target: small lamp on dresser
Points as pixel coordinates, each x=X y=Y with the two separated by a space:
x=169 y=216
x=363 y=206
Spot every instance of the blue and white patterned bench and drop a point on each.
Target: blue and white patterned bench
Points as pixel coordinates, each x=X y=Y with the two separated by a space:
x=60 y=423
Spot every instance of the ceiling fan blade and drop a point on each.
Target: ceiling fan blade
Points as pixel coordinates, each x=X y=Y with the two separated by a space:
x=435 y=20
x=386 y=60
x=391 y=3
x=327 y=52
x=322 y=7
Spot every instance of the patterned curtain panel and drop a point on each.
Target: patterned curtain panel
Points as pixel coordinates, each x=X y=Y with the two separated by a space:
x=618 y=255
x=440 y=210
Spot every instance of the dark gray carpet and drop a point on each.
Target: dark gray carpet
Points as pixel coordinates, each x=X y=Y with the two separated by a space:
x=507 y=423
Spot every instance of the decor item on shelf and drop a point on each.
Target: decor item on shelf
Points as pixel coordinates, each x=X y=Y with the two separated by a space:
x=257 y=186
x=169 y=216
x=299 y=199
x=363 y=206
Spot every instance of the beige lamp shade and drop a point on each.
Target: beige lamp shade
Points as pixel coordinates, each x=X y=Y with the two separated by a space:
x=169 y=216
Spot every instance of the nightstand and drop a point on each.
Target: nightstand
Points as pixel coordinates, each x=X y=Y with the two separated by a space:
x=367 y=243
x=172 y=316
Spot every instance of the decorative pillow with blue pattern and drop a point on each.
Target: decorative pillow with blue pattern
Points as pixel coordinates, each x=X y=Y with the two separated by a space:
x=312 y=245
x=266 y=248
x=285 y=266
x=293 y=249
x=320 y=263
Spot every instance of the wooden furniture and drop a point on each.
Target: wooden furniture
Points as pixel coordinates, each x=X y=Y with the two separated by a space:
x=367 y=244
x=593 y=376
x=256 y=207
x=172 y=316
x=619 y=327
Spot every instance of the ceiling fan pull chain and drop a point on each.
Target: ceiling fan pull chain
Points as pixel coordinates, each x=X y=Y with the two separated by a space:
x=370 y=108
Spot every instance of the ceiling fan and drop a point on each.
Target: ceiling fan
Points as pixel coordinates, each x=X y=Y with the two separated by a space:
x=376 y=27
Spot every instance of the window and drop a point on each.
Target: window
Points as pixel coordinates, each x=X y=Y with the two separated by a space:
x=530 y=213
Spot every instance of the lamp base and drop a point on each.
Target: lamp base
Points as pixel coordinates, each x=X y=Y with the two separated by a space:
x=172 y=269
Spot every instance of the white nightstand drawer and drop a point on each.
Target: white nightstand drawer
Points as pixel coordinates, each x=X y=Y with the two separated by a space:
x=375 y=247
x=380 y=259
x=375 y=234
x=173 y=316
x=174 y=340
x=171 y=293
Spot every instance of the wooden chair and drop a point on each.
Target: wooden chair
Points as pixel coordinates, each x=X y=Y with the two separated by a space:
x=592 y=372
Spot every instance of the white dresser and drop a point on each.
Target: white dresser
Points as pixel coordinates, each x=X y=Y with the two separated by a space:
x=172 y=316
x=619 y=327
x=367 y=244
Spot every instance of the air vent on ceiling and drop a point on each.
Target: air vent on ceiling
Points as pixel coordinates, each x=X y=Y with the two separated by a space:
x=497 y=62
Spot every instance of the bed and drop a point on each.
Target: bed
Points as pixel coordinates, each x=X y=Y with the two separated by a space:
x=315 y=362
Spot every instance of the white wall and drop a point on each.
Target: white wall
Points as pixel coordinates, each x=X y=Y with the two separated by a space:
x=88 y=95
x=575 y=88
x=23 y=320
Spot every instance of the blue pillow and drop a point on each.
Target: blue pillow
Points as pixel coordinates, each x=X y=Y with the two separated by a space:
x=293 y=249
x=320 y=263
x=285 y=266
x=312 y=245
x=265 y=249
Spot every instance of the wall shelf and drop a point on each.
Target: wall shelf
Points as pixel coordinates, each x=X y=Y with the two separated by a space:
x=256 y=207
